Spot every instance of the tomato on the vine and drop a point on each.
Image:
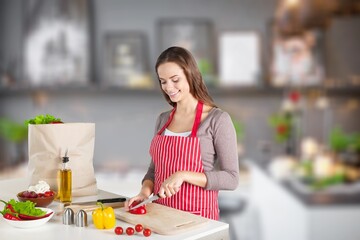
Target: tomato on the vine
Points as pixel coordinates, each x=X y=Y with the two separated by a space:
x=119 y=230
x=147 y=232
x=130 y=231
x=138 y=228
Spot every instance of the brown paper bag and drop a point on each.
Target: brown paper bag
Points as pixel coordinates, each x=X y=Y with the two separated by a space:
x=48 y=144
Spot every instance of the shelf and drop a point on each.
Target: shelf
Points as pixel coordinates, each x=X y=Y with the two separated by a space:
x=66 y=90
x=214 y=91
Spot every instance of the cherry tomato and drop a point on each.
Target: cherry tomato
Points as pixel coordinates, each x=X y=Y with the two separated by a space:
x=139 y=210
x=130 y=231
x=119 y=230
x=147 y=232
x=138 y=228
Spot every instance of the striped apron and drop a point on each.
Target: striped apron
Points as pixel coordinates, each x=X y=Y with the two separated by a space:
x=176 y=153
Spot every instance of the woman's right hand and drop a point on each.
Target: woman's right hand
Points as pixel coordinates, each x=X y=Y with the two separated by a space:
x=139 y=198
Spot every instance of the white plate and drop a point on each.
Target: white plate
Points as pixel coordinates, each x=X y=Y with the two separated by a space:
x=31 y=223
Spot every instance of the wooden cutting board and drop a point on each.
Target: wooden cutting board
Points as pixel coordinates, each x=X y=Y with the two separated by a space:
x=89 y=208
x=163 y=220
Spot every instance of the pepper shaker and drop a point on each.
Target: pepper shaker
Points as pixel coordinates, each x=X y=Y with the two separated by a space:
x=81 y=219
x=68 y=216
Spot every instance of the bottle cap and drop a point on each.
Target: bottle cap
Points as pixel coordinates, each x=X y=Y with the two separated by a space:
x=68 y=216
x=81 y=219
x=65 y=158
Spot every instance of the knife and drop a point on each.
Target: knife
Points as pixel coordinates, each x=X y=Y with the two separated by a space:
x=153 y=198
x=108 y=200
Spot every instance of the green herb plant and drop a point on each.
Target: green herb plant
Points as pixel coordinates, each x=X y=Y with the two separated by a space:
x=239 y=129
x=340 y=141
x=12 y=131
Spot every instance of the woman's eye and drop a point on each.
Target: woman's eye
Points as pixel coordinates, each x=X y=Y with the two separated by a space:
x=175 y=80
x=162 y=82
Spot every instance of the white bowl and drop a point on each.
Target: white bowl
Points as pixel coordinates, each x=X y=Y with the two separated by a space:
x=31 y=223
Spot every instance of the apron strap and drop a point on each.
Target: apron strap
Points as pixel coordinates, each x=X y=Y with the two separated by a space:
x=168 y=121
x=197 y=120
x=199 y=109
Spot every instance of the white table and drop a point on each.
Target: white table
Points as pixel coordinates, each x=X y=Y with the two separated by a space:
x=54 y=229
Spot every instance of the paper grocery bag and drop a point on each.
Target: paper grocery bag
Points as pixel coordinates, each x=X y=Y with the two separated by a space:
x=48 y=143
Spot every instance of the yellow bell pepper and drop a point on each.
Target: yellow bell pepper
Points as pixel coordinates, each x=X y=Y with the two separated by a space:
x=103 y=218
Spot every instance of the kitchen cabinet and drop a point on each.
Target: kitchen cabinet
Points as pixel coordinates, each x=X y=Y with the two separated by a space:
x=284 y=215
x=54 y=229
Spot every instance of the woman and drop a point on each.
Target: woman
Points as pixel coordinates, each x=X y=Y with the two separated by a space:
x=194 y=151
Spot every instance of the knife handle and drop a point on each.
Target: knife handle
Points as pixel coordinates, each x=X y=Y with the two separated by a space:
x=111 y=200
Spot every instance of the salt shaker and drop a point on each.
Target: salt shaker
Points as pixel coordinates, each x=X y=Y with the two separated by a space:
x=81 y=219
x=68 y=216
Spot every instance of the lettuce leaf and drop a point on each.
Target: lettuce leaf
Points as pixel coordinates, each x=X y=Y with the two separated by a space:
x=41 y=119
x=26 y=208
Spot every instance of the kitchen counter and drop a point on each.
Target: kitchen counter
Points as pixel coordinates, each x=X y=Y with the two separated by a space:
x=287 y=214
x=54 y=229
x=315 y=198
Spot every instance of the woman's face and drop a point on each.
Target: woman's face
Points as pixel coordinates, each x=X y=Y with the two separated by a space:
x=173 y=81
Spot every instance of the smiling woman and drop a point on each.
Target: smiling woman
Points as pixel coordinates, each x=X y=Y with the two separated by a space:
x=190 y=141
x=173 y=81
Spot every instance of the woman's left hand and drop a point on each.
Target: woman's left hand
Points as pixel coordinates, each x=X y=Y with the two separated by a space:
x=172 y=184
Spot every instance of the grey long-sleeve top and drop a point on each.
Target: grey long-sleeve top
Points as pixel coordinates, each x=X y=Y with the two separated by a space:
x=218 y=148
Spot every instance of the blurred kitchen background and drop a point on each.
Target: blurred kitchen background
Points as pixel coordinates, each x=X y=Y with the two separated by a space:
x=287 y=71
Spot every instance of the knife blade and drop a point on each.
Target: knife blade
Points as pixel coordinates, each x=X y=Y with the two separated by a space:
x=153 y=198
x=107 y=200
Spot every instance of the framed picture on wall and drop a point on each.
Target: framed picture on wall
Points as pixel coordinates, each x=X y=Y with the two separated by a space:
x=56 y=42
x=239 y=59
x=125 y=60
x=297 y=60
x=196 y=35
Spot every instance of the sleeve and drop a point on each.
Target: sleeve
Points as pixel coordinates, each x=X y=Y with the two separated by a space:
x=226 y=177
x=150 y=174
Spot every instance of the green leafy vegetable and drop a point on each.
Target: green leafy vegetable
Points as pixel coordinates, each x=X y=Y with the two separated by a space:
x=26 y=208
x=41 y=119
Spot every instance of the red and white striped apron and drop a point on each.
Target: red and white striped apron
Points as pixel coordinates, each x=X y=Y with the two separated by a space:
x=176 y=153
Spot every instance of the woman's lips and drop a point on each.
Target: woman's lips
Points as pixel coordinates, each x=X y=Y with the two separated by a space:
x=173 y=94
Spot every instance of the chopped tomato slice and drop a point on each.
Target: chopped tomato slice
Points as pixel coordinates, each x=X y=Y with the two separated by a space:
x=139 y=210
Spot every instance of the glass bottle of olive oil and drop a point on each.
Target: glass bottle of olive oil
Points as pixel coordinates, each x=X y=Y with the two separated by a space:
x=65 y=181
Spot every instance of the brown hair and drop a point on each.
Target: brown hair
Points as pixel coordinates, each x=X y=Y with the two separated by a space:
x=186 y=61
